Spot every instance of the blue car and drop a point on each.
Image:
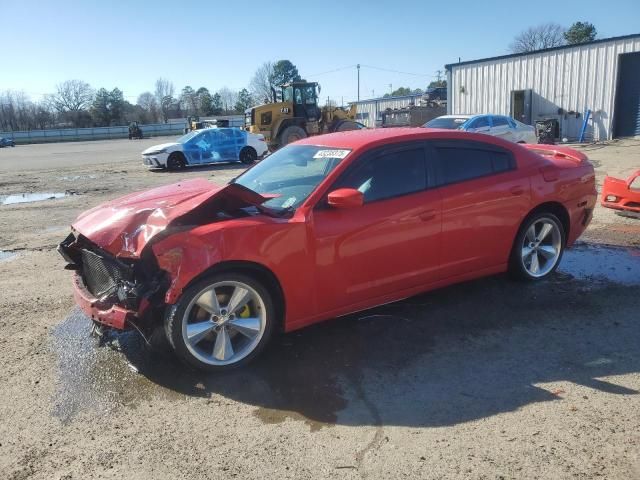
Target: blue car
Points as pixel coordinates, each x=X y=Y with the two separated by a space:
x=210 y=145
x=6 y=142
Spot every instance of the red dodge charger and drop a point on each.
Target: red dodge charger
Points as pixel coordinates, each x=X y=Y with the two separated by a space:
x=324 y=227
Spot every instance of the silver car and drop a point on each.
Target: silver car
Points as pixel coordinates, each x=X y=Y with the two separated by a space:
x=496 y=125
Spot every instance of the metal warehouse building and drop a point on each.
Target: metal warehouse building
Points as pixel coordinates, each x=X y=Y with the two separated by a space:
x=369 y=111
x=560 y=83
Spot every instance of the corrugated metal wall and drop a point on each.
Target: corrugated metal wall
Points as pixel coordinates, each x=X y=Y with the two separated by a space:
x=368 y=111
x=573 y=79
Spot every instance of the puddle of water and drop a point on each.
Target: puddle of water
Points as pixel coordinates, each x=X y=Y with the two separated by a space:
x=602 y=263
x=92 y=377
x=74 y=178
x=4 y=256
x=56 y=228
x=31 y=197
x=100 y=379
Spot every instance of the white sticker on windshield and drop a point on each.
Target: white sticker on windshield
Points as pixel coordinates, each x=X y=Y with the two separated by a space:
x=331 y=153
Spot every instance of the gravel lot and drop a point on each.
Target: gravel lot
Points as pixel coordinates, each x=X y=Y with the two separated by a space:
x=488 y=379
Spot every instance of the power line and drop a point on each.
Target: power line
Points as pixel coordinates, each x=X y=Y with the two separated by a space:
x=331 y=71
x=398 y=71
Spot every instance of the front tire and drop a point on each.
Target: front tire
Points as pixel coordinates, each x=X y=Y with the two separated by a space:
x=175 y=161
x=222 y=322
x=292 y=134
x=248 y=155
x=538 y=247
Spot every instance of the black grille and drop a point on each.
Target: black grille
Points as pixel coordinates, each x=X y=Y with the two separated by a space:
x=101 y=274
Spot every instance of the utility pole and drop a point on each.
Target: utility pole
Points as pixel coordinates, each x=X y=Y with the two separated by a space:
x=373 y=94
x=390 y=89
x=358 y=82
x=439 y=75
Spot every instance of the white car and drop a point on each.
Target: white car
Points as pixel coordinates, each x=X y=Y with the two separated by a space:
x=496 y=125
x=210 y=145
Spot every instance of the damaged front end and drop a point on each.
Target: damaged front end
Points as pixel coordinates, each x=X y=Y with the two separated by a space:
x=111 y=291
x=119 y=281
x=622 y=195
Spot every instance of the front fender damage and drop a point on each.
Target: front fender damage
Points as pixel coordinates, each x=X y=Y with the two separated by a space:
x=131 y=261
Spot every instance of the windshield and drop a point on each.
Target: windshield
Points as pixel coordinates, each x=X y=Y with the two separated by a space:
x=291 y=174
x=188 y=136
x=287 y=94
x=450 y=123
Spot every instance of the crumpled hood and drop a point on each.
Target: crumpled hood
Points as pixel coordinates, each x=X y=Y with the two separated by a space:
x=162 y=146
x=125 y=225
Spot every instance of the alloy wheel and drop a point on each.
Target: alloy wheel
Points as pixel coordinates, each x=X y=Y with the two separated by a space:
x=541 y=247
x=224 y=323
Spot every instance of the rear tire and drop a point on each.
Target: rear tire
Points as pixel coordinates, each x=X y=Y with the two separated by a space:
x=292 y=134
x=221 y=322
x=538 y=247
x=176 y=161
x=248 y=155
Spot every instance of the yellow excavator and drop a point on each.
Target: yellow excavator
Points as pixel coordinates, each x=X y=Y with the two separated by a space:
x=298 y=115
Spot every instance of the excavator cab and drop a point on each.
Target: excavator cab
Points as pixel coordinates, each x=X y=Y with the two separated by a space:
x=295 y=114
x=303 y=96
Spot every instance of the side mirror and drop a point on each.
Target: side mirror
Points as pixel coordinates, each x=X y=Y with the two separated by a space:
x=345 y=198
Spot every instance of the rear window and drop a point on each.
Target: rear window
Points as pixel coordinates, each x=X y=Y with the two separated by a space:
x=465 y=163
x=449 y=123
x=499 y=121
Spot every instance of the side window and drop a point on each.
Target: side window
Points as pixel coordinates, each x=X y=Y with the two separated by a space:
x=479 y=122
x=465 y=163
x=204 y=140
x=265 y=118
x=500 y=122
x=387 y=175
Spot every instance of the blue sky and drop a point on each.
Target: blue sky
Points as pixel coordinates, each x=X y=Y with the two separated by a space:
x=216 y=44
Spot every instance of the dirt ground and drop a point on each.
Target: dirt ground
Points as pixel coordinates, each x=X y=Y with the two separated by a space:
x=488 y=379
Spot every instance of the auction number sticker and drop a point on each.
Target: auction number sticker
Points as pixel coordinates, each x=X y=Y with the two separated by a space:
x=331 y=153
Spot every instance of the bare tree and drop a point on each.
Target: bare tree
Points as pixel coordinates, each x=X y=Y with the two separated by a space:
x=164 y=96
x=18 y=112
x=228 y=98
x=72 y=100
x=147 y=101
x=73 y=96
x=260 y=85
x=536 y=38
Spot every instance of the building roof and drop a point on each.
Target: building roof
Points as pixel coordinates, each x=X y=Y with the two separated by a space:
x=449 y=66
x=397 y=97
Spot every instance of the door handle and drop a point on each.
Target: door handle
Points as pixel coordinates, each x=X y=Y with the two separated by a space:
x=517 y=190
x=427 y=215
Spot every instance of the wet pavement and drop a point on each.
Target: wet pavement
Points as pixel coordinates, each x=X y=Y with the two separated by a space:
x=599 y=263
x=31 y=197
x=454 y=354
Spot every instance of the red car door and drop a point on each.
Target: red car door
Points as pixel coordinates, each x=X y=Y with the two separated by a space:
x=484 y=199
x=390 y=243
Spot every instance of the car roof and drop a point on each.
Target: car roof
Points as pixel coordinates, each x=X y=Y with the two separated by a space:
x=457 y=116
x=358 y=139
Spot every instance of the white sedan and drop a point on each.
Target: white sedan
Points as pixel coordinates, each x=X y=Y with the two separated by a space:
x=210 y=145
x=496 y=125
